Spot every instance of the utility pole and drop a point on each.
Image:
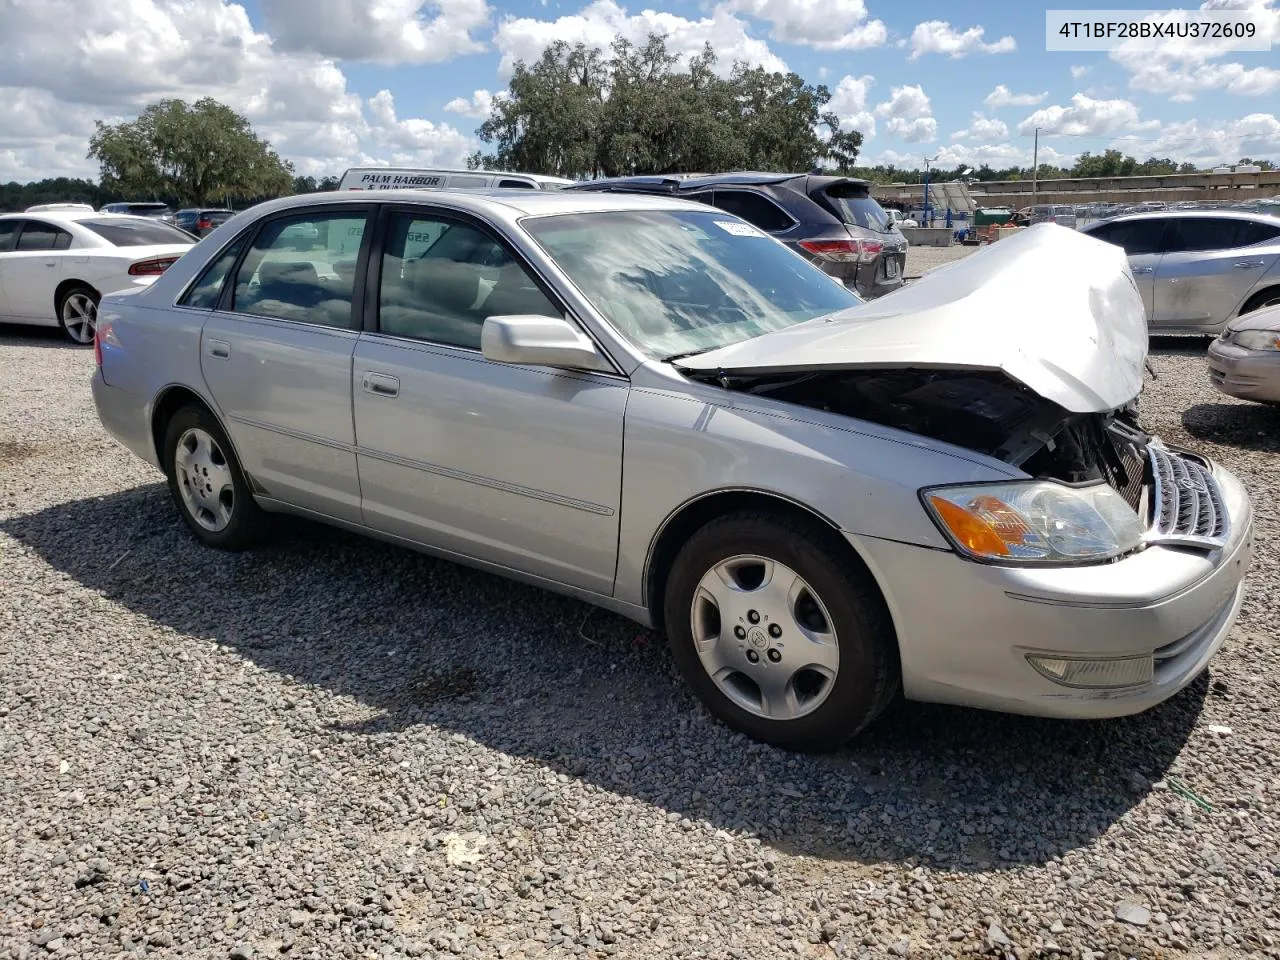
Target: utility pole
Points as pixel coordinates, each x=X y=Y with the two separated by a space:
x=927 y=160
x=1035 y=166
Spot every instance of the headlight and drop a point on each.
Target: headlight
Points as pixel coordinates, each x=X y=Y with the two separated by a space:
x=1034 y=521
x=1256 y=339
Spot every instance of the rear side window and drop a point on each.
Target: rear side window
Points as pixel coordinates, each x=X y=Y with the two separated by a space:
x=302 y=268
x=516 y=185
x=1253 y=232
x=207 y=290
x=1135 y=236
x=754 y=209
x=8 y=234
x=137 y=232
x=43 y=236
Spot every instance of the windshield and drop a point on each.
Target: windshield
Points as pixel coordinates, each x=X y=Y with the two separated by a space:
x=681 y=282
x=136 y=232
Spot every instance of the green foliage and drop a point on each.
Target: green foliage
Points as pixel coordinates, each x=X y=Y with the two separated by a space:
x=195 y=154
x=578 y=112
x=1112 y=163
x=16 y=197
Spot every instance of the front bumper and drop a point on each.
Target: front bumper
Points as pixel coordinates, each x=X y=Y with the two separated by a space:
x=965 y=629
x=1247 y=374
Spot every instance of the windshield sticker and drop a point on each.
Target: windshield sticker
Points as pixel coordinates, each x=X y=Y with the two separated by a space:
x=737 y=229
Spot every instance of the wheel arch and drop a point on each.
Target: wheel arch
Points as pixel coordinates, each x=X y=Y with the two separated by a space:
x=169 y=401
x=695 y=513
x=1257 y=297
x=65 y=287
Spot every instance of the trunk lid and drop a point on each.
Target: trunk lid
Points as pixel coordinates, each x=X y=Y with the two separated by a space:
x=1053 y=309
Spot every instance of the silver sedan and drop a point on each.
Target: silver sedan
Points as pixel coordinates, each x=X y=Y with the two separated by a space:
x=652 y=406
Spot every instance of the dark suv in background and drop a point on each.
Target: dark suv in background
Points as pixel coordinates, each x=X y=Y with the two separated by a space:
x=201 y=221
x=834 y=221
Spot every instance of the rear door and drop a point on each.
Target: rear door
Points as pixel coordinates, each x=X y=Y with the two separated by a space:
x=1143 y=241
x=1209 y=270
x=276 y=356
x=33 y=269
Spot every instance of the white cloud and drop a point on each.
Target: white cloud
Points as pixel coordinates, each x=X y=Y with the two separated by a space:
x=997 y=155
x=938 y=36
x=383 y=31
x=1079 y=70
x=1001 y=96
x=823 y=24
x=909 y=114
x=849 y=102
x=1208 y=143
x=1184 y=67
x=65 y=63
x=598 y=24
x=478 y=105
x=416 y=140
x=1087 y=117
x=983 y=130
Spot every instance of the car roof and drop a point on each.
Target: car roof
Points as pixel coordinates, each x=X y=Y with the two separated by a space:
x=536 y=177
x=513 y=202
x=700 y=181
x=1191 y=214
x=72 y=216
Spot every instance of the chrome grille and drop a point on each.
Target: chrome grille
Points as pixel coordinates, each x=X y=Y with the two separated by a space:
x=1186 y=500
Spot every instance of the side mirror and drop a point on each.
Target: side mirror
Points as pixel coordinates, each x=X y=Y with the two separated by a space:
x=540 y=341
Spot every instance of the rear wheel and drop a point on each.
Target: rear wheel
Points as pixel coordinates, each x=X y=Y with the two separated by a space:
x=778 y=632
x=207 y=484
x=78 y=313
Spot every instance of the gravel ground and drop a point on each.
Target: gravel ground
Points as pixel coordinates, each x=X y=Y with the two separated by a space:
x=336 y=748
x=920 y=260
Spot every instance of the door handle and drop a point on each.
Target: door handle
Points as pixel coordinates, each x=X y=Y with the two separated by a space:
x=1249 y=264
x=381 y=384
x=220 y=349
x=1143 y=269
x=51 y=263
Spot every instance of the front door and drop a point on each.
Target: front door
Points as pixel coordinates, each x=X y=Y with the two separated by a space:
x=514 y=465
x=33 y=269
x=277 y=359
x=1143 y=241
x=1208 y=270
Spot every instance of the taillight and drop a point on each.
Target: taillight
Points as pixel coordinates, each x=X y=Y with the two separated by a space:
x=844 y=251
x=97 y=346
x=151 y=268
x=203 y=224
x=838 y=251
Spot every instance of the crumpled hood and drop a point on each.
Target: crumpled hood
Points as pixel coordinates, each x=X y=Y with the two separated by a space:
x=1054 y=309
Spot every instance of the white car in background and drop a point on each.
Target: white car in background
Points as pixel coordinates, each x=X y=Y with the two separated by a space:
x=56 y=265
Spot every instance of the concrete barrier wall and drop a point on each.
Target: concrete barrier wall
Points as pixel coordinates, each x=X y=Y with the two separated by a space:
x=928 y=236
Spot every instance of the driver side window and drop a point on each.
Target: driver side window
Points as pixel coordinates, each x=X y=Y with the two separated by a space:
x=441 y=278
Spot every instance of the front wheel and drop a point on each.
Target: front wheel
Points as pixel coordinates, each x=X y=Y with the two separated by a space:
x=207 y=484
x=78 y=314
x=779 y=631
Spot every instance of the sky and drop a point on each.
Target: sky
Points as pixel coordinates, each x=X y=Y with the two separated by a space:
x=339 y=83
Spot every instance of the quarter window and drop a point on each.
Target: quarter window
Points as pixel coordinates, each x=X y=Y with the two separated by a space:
x=302 y=268
x=753 y=208
x=43 y=236
x=441 y=278
x=208 y=289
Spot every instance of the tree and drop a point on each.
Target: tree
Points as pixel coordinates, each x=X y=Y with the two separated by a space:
x=579 y=112
x=1266 y=165
x=195 y=154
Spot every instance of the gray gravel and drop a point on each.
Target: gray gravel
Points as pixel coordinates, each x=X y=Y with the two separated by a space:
x=335 y=748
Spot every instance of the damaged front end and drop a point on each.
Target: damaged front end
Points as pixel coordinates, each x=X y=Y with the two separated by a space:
x=1032 y=352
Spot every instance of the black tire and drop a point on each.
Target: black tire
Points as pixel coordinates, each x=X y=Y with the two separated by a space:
x=1263 y=298
x=75 y=332
x=248 y=524
x=868 y=677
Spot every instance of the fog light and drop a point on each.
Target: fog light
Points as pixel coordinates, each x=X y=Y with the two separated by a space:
x=1098 y=674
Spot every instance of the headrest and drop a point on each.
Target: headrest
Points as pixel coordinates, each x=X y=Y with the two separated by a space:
x=288 y=271
x=445 y=283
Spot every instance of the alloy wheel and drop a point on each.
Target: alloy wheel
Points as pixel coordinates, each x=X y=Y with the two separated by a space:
x=80 y=317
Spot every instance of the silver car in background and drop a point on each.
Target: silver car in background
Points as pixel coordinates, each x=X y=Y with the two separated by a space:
x=1198 y=269
x=653 y=406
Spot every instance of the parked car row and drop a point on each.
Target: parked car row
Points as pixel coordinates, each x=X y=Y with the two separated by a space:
x=822 y=500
